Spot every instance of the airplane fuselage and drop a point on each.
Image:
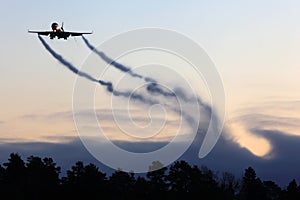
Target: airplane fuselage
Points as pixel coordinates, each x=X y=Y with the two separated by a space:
x=59 y=32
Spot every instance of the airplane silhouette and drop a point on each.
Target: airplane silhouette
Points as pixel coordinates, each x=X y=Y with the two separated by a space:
x=59 y=32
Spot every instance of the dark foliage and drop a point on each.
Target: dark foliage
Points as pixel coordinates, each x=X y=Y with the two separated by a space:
x=39 y=179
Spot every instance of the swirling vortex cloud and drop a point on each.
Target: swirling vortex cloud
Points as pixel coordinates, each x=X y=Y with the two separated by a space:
x=157 y=39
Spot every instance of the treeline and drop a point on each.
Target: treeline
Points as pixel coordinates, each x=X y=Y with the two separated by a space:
x=39 y=178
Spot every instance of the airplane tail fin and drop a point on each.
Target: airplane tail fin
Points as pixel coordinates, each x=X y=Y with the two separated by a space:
x=62 y=26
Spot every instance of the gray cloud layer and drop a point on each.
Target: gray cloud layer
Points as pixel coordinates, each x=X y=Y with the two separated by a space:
x=226 y=156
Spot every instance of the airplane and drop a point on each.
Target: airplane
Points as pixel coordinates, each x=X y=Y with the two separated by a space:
x=59 y=32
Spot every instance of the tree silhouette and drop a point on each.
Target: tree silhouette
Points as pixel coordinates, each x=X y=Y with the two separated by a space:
x=39 y=179
x=84 y=181
x=14 y=177
x=2 y=183
x=121 y=185
x=229 y=186
x=292 y=191
x=252 y=187
x=209 y=183
x=272 y=190
x=42 y=178
x=156 y=175
x=191 y=182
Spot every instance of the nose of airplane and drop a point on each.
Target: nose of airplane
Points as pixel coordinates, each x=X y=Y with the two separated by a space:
x=54 y=26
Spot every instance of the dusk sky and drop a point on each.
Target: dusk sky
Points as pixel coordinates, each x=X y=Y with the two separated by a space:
x=254 y=45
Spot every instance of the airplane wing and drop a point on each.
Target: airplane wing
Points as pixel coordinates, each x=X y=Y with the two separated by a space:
x=40 y=32
x=77 y=33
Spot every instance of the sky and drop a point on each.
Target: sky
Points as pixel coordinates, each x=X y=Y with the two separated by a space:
x=253 y=44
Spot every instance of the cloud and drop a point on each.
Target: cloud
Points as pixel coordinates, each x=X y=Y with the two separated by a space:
x=269 y=120
x=280 y=116
x=226 y=156
x=65 y=115
x=65 y=154
x=290 y=125
x=276 y=105
x=102 y=113
x=116 y=123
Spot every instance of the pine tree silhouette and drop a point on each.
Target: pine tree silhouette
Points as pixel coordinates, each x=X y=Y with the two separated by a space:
x=39 y=179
